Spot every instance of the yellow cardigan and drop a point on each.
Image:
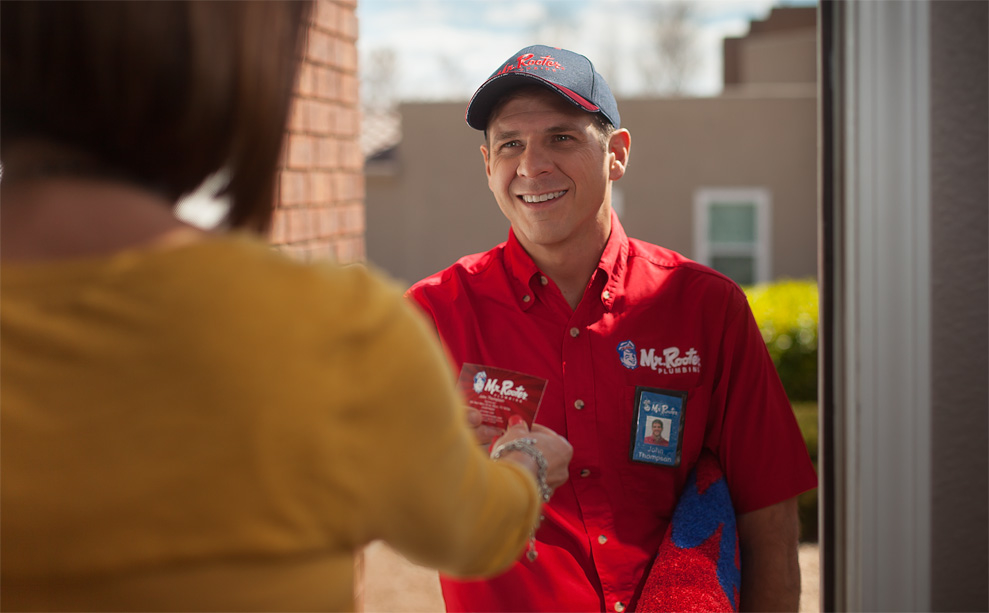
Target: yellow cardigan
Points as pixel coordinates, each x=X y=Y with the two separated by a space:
x=216 y=427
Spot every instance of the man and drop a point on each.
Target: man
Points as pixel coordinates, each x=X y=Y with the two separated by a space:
x=656 y=438
x=571 y=299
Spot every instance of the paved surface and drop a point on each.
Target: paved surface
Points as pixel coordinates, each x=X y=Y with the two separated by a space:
x=392 y=584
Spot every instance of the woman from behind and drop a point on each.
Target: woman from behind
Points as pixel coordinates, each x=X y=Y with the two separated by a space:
x=189 y=420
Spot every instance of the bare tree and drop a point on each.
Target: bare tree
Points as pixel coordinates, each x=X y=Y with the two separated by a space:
x=378 y=80
x=675 y=45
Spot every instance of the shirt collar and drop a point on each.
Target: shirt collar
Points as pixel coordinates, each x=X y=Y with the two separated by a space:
x=527 y=279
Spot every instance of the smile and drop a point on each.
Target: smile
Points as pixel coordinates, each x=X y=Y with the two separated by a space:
x=531 y=199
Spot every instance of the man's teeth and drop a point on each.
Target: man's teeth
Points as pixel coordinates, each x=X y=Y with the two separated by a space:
x=542 y=197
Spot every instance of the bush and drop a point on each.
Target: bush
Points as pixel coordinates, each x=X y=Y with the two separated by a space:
x=786 y=312
x=806 y=413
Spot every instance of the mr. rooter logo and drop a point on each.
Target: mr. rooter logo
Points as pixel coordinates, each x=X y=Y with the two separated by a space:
x=530 y=62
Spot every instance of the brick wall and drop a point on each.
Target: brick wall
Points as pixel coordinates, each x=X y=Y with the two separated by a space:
x=319 y=212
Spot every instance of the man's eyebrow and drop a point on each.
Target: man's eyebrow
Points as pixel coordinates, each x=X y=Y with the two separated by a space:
x=563 y=127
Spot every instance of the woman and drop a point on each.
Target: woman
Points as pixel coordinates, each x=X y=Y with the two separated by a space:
x=191 y=421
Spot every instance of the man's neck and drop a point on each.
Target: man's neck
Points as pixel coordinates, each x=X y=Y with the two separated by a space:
x=570 y=265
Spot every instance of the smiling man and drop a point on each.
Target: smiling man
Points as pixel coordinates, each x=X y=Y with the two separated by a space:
x=604 y=318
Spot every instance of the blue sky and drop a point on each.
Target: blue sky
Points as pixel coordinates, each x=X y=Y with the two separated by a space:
x=444 y=49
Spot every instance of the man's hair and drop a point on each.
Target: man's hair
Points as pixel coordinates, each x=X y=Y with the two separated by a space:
x=604 y=127
x=162 y=93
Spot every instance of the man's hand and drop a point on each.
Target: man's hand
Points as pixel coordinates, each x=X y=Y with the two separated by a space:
x=768 y=542
x=556 y=449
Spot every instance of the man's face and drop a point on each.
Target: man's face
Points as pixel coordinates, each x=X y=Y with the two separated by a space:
x=550 y=172
x=657 y=429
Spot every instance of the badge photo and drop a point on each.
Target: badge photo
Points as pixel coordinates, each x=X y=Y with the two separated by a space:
x=657 y=426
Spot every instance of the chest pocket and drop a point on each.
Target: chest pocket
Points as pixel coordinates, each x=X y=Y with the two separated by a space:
x=652 y=487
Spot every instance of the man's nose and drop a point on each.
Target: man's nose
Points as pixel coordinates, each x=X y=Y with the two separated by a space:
x=535 y=160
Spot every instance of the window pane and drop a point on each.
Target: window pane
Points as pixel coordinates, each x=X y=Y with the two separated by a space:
x=741 y=269
x=732 y=223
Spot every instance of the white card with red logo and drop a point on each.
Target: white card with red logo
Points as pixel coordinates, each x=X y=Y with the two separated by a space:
x=499 y=393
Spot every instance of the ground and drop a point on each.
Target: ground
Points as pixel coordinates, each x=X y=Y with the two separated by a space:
x=392 y=584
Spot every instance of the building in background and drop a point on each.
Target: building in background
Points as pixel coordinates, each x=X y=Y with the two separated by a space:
x=729 y=180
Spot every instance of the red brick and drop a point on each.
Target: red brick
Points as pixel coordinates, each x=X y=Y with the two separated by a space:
x=300 y=151
x=327 y=221
x=325 y=152
x=298 y=119
x=322 y=188
x=353 y=219
x=304 y=85
x=278 y=233
x=348 y=89
x=327 y=83
x=320 y=117
x=350 y=250
x=349 y=27
x=294 y=188
x=326 y=15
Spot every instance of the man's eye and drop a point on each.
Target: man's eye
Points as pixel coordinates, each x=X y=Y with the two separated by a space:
x=562 y=137
x=510 y=144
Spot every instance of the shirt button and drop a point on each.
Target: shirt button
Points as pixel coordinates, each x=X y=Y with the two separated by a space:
x=574 y=332
x=585 y=473
x=606 y=294
x=543 y=279
x=602 y=539
x=526 y=298
x=619 y=606
x=578 y=404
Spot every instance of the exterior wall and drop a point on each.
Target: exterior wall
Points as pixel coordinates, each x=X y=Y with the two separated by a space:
x=432 y=204
x=780 y=49
x=959 y=306
x=319 y=212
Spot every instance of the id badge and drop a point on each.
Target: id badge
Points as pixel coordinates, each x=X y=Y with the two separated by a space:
x=658 y=426
x=499 y=393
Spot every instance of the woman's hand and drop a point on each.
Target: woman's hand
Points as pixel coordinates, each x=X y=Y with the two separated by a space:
x=556 y=449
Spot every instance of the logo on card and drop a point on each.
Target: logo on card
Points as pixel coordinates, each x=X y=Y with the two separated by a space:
x=626 y=353
x=479 y=379
x=669 y=361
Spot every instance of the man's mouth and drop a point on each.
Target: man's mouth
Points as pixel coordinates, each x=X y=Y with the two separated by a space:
x=535 y=199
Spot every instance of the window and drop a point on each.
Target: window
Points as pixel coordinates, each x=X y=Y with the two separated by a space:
x=731 y=232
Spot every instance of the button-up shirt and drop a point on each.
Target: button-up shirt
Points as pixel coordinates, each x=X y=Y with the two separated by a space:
x=649 y=320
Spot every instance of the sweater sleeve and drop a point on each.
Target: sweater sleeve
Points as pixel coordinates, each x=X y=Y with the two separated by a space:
x=419 y=480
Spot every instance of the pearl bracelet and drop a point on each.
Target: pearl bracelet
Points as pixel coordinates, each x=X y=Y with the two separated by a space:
x=528 y=447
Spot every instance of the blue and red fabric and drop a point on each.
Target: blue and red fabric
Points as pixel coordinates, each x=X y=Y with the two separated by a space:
x=697 y=567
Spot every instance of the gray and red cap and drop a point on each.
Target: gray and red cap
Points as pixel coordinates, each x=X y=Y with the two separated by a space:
x=569 y=74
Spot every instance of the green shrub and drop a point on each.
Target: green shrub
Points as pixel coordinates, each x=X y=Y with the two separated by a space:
x=786 y=312
x=806 y=414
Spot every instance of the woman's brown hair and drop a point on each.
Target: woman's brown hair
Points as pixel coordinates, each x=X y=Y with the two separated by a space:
x=164 y=94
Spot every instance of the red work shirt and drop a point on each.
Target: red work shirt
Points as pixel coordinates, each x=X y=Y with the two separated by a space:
x=649 y=318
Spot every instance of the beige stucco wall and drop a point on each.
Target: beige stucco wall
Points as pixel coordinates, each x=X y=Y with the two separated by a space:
x=433 y=206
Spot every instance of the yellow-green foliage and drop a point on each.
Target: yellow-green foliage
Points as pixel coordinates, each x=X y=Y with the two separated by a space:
x=786 y=312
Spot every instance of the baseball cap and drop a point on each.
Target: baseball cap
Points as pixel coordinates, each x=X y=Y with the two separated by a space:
x=569 y=74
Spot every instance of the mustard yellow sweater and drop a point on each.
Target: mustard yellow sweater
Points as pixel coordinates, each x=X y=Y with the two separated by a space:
x=216 y=427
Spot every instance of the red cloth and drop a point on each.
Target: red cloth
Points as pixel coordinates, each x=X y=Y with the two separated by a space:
x=692 y=330
x=698 y=567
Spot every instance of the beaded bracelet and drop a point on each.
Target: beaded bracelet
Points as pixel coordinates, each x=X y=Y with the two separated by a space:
x=528 y=446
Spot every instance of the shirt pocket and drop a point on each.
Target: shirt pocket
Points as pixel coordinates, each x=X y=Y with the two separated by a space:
x=653 y=487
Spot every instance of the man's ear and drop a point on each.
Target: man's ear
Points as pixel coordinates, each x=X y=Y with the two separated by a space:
x=487 y=165
x=618 y=146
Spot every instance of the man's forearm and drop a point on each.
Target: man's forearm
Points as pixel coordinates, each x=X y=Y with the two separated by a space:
x=768 y=542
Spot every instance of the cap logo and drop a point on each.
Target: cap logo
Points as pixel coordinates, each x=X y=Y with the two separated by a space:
x=527 y=63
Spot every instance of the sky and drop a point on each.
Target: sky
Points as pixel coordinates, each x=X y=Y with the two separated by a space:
x=444 y=49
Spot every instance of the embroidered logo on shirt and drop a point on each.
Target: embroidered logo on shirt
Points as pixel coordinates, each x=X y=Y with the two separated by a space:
x=626 y=353
x=668 y=361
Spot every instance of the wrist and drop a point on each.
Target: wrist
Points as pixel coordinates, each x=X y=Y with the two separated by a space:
x=536 y=461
